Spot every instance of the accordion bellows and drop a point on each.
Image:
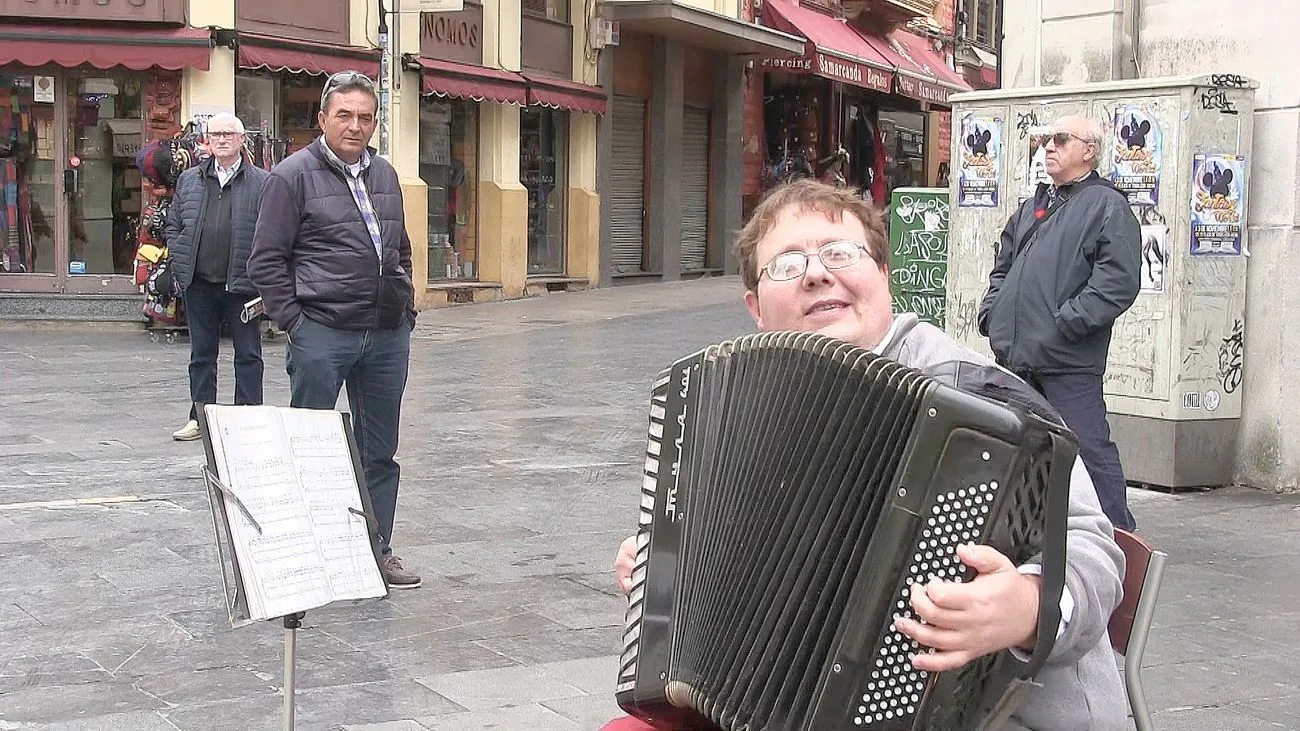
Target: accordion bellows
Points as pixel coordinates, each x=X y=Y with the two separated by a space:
x=795 y=488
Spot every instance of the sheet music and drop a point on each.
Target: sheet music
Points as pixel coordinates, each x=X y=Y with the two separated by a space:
x=282 y=568
x=324 y=466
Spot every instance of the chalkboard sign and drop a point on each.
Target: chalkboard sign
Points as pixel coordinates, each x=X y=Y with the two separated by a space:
x=918 y=252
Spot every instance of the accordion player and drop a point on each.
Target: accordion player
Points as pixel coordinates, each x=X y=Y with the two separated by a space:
x=778 y=546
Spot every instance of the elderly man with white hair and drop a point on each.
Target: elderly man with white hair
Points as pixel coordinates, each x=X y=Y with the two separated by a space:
x=1069 y=264
x=209 y=234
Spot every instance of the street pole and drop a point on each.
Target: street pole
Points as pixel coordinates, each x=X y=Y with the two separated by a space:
x=384 y=93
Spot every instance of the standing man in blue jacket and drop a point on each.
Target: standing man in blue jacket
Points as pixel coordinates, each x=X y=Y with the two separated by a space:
x=1068 y=265
x=209 y=234
x=332 y=261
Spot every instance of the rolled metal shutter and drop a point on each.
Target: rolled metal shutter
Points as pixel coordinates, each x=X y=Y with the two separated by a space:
x=695 y=188
x=627 y=184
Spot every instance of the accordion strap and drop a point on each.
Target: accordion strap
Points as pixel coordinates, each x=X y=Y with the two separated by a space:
x=1064 y=452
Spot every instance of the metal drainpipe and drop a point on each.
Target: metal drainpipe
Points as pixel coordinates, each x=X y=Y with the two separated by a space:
x=1135 y=35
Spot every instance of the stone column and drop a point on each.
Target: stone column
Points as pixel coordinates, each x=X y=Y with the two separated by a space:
x=664 y=197
x=726 y=159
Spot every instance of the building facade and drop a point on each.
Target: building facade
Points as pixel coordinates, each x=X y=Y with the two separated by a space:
x=1052 y=43
x=671 y=148
x=493 y=132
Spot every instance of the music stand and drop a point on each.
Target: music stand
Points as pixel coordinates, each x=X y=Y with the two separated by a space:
x=237 y=606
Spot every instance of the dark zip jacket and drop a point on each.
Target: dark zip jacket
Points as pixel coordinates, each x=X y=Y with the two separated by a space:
x=1054 y=295
x=313 y=256
x=189 y=213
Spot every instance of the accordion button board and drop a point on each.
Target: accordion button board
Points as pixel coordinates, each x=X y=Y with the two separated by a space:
x=795 y=489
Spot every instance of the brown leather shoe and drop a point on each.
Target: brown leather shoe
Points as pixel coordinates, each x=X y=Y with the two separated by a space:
x=397 y=576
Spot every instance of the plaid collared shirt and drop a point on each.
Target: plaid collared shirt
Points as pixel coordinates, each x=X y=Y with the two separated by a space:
x=359 y=194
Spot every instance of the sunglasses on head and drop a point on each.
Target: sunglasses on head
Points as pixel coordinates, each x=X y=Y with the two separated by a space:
x=345 y=79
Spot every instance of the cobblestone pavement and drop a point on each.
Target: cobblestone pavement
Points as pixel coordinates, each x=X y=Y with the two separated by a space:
x=523 y=432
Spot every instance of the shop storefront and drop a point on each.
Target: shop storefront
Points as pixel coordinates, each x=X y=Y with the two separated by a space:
x=455 y=87
x=856 y=109
x=465 y=108
x=76 y=105
x=545 y=130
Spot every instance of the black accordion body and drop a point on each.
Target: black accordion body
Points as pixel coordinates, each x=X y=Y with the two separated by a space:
x=795 y=488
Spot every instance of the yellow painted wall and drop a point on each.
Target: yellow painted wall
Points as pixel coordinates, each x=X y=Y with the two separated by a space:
x=203 y=13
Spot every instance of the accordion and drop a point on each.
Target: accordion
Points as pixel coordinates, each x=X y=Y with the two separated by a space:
x=795 y=488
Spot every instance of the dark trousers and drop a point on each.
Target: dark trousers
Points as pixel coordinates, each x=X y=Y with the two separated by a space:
x=1078 y=398
x=207 y=307
x=373 y=365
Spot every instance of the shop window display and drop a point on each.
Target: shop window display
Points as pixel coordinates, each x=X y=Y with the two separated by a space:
x=543 y=168
x=105 y=131
x=449 y=167
x=815 y=130
x=27 y=170
x=279 y=111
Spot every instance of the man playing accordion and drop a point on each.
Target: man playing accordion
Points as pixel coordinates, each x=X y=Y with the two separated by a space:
x=815 y=258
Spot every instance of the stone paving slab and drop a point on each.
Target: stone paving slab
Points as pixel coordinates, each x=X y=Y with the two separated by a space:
x=524 y=428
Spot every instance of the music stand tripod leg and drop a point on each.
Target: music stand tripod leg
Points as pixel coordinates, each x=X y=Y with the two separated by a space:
x=291 y=624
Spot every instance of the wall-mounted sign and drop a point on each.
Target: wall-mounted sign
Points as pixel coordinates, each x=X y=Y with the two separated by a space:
x=43 y=90
x=454 y=36
x=835 y=68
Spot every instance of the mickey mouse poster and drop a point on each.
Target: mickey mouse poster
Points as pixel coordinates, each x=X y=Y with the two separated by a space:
x=981 y=156
x=1218 y=204
x=1137 y=148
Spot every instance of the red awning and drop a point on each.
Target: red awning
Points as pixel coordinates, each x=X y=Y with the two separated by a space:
x=989 y=76
x=833 y=51
x=551 y=91
x=921 y=73
x=135 y=48
x=463 y=81
x=304 y=57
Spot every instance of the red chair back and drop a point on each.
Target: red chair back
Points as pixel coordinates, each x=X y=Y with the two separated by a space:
x=1137 y=557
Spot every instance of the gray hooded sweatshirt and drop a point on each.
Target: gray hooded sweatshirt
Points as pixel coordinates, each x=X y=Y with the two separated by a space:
x=1079 y=688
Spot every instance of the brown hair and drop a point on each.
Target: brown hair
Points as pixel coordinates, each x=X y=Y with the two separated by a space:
x=808 y=196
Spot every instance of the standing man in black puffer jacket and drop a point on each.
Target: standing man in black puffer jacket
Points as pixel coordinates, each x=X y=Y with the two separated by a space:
x=1068 y=265
x=209 y=234
x=332 y=261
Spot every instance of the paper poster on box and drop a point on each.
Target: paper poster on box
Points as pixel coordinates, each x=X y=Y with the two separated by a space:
x=981 y=155
x=1218 y=204
x=1137 y=142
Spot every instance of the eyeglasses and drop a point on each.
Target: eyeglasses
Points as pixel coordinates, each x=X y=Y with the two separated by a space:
x=833 y=255
x=223 y=135
x=342 y=80
x=1061 y=139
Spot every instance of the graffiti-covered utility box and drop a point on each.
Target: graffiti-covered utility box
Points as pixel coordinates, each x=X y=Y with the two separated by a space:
x=918 y=251
x=1179 y=149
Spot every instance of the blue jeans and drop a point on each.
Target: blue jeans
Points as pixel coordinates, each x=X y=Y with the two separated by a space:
x=207 y=306
x=373 y=365
x=1078 y=398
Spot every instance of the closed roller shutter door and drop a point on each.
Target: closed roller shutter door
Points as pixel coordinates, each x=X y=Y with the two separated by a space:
x=627 y=183
x=695 y=188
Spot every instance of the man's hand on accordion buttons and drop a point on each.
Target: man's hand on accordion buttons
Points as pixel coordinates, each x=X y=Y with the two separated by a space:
x=624 y=563
x=996 y=610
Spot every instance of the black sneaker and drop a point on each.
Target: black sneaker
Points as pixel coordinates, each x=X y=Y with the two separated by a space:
x=398 y=577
